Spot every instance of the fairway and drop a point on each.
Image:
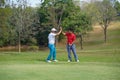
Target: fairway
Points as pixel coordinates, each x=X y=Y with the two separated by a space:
x=32 y=66
x=98 y=61
x=60 y=71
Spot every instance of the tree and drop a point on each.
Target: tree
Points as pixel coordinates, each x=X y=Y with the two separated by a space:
x=2 y=3
x=102 y=12
x=5 y=13
x=50 y=15
x=117 y=7
x=78 y=21
x=107 y=13
x=22 y=19
x=65 y=13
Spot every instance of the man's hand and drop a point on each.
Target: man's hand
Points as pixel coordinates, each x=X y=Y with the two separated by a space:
x=70 y=44
x=60 y=28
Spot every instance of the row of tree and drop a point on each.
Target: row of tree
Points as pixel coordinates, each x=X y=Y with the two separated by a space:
x=21 y=24
x=103 y=13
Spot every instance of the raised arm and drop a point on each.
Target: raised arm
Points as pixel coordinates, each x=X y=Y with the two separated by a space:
x=63 y=33
x=59 y=31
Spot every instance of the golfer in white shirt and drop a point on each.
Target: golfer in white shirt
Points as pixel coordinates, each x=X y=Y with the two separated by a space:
x=51 y=44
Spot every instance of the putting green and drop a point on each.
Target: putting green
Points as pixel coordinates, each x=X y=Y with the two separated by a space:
x=60 y=71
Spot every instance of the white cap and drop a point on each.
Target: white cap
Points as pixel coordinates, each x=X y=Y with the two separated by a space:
x=53 y=29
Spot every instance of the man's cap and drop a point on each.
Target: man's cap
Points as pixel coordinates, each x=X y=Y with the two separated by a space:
x=53 y=29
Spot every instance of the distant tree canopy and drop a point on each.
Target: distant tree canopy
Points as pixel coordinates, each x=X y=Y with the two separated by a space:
x=31 y=26
x=24 y=25
x=101 y=12
x=117 y=7
x=77 y=20
x=2 y=2
x=56 y=13
x=4 y=25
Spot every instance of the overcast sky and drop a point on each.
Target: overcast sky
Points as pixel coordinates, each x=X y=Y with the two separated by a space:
x=90 y=0
x=34 y=3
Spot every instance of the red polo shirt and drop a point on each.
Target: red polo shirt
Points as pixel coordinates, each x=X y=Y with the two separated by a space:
x=70 y=37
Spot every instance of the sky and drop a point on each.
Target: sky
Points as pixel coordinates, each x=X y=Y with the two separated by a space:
x=34 y=3
x=89 y=0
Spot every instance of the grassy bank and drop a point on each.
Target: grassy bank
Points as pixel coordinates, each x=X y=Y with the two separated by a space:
x=98 y=61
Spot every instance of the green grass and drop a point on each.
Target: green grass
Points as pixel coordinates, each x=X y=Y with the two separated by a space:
x=98 y=61
x=84 y=56
x=60 y=71
x=93 y=65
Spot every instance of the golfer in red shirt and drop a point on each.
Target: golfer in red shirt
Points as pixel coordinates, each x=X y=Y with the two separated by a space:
x=70 y=44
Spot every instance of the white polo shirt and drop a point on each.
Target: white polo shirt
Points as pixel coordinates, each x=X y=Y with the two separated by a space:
x=51 y=38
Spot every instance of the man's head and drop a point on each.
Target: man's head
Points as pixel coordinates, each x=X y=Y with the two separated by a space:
x=70 y=30
x=53 y=30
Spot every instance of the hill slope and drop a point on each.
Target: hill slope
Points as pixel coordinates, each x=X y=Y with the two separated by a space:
x=95 y=38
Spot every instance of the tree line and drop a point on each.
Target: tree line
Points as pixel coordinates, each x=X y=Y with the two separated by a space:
x=21 y=24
